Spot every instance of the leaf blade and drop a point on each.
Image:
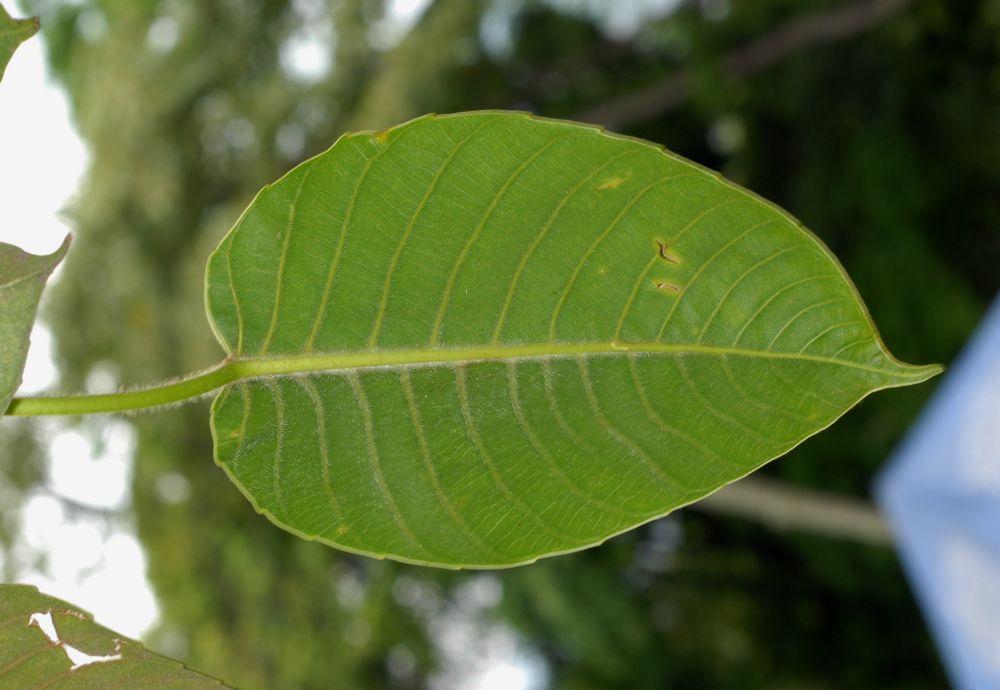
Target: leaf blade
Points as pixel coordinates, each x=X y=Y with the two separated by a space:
x=458 y=278
x=22 y=280
x=13 y=32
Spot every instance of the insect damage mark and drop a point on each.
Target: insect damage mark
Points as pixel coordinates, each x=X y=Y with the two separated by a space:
x=79 y=659
x=613 y=183
x=663 y=251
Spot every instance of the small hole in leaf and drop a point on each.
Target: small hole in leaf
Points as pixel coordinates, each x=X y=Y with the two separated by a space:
x=79 y=658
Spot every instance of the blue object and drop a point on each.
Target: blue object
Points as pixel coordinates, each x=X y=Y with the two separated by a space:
x=941 y=494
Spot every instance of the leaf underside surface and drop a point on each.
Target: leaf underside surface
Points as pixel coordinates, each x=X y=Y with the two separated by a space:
x=13 y=32
x=22 y=279
x=83 y=655
x=495 y=337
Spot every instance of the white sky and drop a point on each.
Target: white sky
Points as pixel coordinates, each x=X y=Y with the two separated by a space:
x=41 y=157
x=93 y=562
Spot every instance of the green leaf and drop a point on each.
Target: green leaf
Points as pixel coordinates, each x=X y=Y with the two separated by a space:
x=492 y=337
x=45 y=642
x=13 y=32
x=22 y=279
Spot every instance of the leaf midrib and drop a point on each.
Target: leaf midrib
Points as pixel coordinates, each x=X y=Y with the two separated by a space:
x=234 y=370
x=250 y=366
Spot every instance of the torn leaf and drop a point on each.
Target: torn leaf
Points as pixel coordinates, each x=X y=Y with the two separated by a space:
x=45 y=641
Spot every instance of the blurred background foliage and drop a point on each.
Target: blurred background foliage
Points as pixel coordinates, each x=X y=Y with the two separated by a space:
x=880 y=130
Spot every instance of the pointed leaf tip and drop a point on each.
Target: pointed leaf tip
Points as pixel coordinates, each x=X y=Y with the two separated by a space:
x=22 y=280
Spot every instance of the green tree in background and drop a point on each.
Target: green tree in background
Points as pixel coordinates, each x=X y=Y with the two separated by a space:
x=884 y=138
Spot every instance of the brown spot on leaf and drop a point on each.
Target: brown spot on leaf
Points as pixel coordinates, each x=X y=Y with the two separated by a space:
x=613 y=183
x=663 y=250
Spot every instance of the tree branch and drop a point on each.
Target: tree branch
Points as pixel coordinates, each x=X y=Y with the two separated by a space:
x=77 y=508
x=785 y=507
x=796 y=36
